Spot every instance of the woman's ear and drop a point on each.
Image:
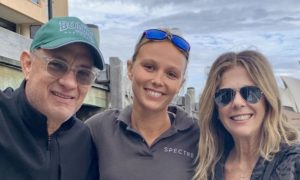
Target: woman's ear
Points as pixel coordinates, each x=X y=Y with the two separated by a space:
x=129 y=69
x=26 y=63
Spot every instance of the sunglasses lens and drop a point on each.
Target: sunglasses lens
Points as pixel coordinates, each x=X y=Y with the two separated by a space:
x=181 y=43
x=57 y=68
x=224 y=96
x=155 y=34
x=85 y=76
x=251 y=94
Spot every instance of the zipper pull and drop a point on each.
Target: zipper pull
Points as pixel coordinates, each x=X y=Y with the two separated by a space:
x=49 y=142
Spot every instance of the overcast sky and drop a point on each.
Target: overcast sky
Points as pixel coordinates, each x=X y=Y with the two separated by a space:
x=211 y=26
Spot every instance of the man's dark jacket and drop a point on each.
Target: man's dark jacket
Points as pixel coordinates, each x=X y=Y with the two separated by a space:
x=28 y=153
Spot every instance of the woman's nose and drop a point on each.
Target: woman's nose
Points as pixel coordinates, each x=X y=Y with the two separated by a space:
x=238 y=100
x=157 y=79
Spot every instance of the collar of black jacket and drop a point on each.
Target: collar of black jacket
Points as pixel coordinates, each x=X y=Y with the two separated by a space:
x=35 y=120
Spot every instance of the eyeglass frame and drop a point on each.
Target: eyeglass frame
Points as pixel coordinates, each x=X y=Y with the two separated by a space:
x=47 y=59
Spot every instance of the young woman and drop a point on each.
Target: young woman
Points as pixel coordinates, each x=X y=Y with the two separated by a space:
x=244 y=134
x=149 y=139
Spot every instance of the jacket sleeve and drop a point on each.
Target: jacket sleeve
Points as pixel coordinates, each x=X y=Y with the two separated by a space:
x=289 y=165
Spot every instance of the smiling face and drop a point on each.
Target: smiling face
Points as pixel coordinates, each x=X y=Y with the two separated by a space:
x=56 y=97
x=157 y=75
x=239 y=117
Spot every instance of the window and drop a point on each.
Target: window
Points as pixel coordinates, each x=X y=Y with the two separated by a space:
x=33 y=30
x=35 y=1
x=8 y=25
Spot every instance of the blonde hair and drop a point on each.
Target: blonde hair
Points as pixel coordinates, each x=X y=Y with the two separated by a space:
x=214 y=138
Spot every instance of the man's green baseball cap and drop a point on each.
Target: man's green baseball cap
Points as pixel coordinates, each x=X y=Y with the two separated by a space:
x=61 y=31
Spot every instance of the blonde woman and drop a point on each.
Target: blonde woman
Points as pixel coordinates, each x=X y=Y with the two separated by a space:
x=244 y=134
x=149 y=139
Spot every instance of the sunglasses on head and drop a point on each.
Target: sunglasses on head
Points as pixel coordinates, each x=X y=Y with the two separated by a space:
x=58 y=68
x=159 y=35
x=251 y=94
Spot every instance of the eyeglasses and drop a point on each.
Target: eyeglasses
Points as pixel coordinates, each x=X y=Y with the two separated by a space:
x=251 y=94
x=179 y=42
x=58 y=68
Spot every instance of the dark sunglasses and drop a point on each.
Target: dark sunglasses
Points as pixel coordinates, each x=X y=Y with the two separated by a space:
x=158 y=35
x=58 y=68
x=251 y=94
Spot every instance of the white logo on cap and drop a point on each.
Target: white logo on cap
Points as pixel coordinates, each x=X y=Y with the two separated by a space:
x=77 y=28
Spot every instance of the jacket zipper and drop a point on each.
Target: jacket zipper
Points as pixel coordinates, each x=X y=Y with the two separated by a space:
x=48 y=175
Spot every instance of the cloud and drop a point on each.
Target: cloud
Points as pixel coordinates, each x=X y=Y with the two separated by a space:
x=211 y=26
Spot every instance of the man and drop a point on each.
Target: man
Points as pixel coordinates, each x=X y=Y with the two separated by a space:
x=39 y=136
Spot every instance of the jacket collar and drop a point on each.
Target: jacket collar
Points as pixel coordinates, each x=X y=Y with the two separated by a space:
x=180 y=119
x=34 y=120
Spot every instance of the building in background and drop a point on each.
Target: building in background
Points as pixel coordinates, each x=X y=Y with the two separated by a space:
x=59 y=8
x=290 y=97
x=26 y=16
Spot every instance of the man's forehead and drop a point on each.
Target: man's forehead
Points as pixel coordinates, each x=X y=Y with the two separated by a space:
x=78 y=49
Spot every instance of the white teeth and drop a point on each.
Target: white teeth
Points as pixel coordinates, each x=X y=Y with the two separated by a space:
x=241 y=117
x=154 y=94
x=62 y=95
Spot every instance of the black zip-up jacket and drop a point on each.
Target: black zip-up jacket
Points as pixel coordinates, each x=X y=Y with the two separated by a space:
x=284 y=166
x=28 y=153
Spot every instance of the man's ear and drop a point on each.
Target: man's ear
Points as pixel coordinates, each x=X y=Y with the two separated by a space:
x=26 y=63
x=129 y=69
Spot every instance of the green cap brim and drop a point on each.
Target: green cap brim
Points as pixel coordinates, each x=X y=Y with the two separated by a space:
x=96 y=53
